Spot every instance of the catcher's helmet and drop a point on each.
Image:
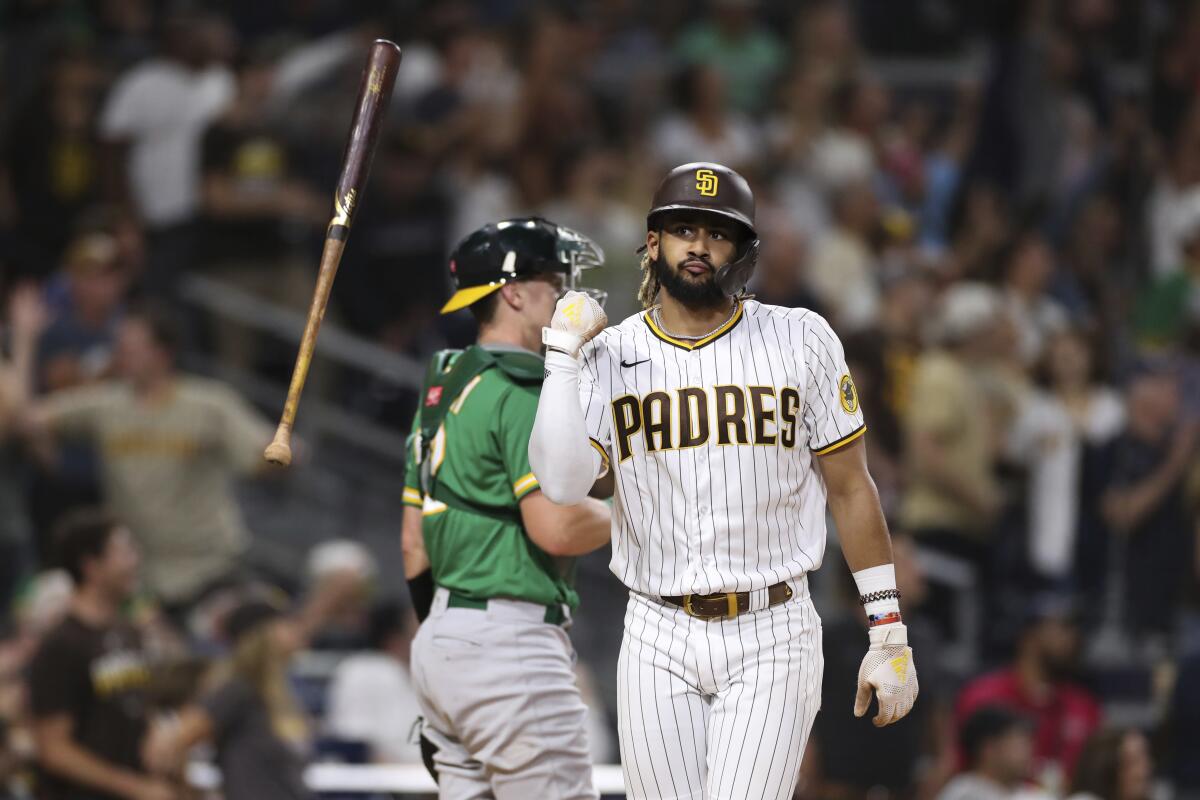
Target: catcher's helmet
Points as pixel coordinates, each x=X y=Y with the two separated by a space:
x=714 y=189
x=515 y=248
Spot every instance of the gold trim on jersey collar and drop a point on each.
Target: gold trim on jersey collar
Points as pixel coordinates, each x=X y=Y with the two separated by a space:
x=692 y=345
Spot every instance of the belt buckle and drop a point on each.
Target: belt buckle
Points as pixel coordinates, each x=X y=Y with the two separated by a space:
x=731 y=607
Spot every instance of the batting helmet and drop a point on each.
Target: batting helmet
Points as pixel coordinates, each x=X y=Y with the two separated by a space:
x=713 y=189
x=516 y=248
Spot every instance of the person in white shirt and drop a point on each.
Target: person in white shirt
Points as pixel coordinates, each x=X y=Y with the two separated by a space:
x=371 y=698
x=158 y=111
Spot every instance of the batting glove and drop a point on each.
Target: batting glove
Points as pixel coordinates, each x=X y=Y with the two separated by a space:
x=888 y=669
x=577 y=318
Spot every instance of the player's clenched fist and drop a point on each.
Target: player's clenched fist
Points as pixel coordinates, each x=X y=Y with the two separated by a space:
x=577 y=318
x=888 y=669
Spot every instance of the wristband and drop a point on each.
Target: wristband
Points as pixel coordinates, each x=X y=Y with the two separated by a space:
x=878 y=594
x=562 y=341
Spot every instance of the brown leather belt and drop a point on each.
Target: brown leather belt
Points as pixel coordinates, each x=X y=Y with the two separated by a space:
x=726 y=605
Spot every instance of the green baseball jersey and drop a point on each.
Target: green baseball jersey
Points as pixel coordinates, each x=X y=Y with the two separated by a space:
x=478 y=472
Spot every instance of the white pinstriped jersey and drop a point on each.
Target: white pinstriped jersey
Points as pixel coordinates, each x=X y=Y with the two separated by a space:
x=712 y=444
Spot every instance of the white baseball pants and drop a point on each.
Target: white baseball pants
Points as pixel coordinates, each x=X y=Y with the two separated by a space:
x=717 y=710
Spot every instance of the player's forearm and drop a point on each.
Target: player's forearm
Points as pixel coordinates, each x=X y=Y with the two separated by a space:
x=861 y=527
x=588 y=528
x=412 y=543
x=560 y=453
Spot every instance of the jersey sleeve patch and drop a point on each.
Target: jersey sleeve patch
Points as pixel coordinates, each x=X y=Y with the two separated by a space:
x=412 y=497
x=847 y=394
x=524 y=485
x=842 y=442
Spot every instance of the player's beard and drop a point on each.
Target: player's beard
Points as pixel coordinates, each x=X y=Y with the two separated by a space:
x=702 y=293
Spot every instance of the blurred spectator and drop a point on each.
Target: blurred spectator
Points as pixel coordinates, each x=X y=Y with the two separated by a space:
x=1171 y=207
x=847 y=152
x=825 y=44
x=747 y=55
x=912 y=757
x=1097 y=415
x=255 y=210
x=248 y=710
x=1144 y=503
x=1169 y=308
x=998 y=748
x=89 y=677
x=170 y=446
x=798 y=120
x=25 y=319
x=1027 y=270
x=371 y=697
x=779 y=277
x=1114 y=765
x=77 y=349
x=345 y=625
x=77 y=346
x=952 y=496
x=908 y=295
x=1025 y=122
x=401 y=238
x=1085 y=284
x=1037 y=684
x=52 y=162
x=153 y=122
x=250 y=714
x=589 y=200
x=703 y=128
x=981 y=224
x=943 y=167
x=843 y=270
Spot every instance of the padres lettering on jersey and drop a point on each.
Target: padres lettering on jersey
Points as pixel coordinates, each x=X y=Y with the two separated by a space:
x=712 y=446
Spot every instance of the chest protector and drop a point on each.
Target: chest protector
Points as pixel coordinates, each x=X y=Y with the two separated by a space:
x=448 y=374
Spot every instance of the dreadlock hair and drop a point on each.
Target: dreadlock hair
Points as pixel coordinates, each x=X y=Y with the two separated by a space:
x=648 y=290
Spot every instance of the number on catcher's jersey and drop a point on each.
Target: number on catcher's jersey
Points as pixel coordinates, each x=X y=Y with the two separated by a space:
x=712 y=444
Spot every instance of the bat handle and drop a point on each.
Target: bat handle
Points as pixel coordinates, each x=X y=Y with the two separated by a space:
x=279 y=451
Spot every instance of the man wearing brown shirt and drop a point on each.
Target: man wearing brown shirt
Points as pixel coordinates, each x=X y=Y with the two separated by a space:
x=88 y=679
x=170 y=447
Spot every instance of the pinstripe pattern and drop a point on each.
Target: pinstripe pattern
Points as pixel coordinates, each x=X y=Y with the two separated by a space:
x=716 y=518
x=718 y=710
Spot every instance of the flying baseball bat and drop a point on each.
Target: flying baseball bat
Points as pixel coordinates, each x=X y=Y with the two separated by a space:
x=373 y=95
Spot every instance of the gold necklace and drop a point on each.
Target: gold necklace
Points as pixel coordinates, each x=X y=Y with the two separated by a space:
x=657 y=312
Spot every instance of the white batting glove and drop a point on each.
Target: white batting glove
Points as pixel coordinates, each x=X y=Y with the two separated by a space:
x=889 y=671
x=577 y=318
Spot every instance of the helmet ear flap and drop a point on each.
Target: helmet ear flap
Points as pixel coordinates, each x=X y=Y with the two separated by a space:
x=733 y=277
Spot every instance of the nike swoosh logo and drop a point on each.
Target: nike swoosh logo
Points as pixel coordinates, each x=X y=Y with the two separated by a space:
x=626 y=364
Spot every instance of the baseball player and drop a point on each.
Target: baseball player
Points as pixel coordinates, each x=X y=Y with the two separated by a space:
x=488 y=557
x=725 y=427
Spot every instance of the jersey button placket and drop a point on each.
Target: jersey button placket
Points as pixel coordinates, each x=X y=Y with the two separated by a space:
x=702 y=506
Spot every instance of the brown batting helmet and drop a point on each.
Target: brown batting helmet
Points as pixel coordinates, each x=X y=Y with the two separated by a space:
x=714 y=189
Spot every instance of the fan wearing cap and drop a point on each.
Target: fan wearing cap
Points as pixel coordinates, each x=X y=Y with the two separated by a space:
x=725 y=427
x=488 y=558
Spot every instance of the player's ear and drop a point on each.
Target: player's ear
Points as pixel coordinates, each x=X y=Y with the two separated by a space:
x=652 y=244
x=513 y=294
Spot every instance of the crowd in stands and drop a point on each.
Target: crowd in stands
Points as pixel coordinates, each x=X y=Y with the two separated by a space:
x=996 y=205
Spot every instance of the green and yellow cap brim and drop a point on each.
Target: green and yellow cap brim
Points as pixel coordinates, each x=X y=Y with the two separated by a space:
x=470 y=294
